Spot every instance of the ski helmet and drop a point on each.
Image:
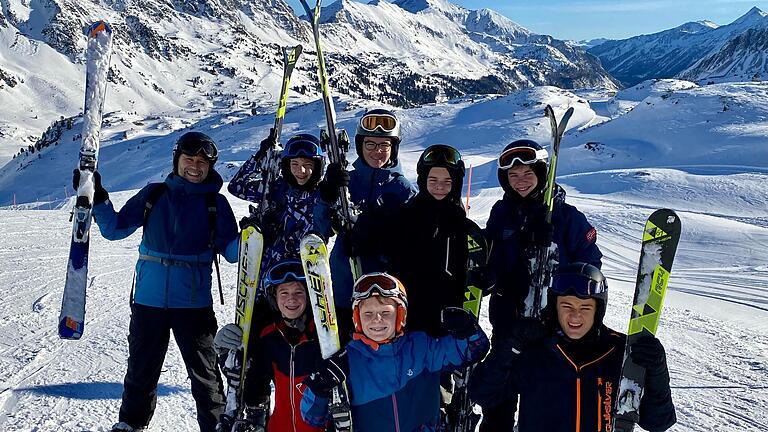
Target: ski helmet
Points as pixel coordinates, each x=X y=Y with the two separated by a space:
x=194 y=143
x=305 y=146
x=286 y=270
x=378 y=123
x=441 y=156
x=582 y=280
x=384 y=285
x=523 y=152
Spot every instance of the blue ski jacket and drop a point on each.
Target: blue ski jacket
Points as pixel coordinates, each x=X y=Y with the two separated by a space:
x=397 y=386
x=573 y=235
x=290 y=213
x=366 y=186
x=175 y=260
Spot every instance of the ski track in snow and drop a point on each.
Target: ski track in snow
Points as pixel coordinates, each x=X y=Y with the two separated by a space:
x=713 y=326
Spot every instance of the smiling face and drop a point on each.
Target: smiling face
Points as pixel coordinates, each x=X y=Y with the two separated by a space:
x=302 y=169
x=377 y=151
x=378 y=316
x=439 y=183
x=291 y=298
x=193 y=168
x=522 y=179
x=576 y=316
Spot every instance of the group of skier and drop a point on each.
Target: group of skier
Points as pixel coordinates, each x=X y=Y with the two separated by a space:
x=402 y=325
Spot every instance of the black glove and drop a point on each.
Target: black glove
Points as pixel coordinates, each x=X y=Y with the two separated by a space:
x=537 y=232
x=248 y=221
x=267 y=143
x=335 y=178
x=332 y=372
x=459 y=322
x=521 y=334
x=480 y=277
x=649 y=353
x=100 y=194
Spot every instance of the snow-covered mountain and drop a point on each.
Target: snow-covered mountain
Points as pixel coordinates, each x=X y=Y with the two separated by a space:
x=698 y=51
x=187 y=58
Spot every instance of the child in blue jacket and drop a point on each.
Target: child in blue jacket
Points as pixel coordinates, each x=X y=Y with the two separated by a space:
x=393 y=377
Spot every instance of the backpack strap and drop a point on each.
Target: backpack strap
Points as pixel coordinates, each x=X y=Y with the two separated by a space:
x=152 y=198
x=210 y=203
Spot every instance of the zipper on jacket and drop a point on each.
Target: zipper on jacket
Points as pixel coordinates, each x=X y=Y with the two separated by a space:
x=448 y=255
x=395 y=413
x=599 y=407
x=578 y=384
x=292 y=388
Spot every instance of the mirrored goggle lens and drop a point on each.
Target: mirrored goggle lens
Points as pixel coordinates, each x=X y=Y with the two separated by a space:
x=379 y=283
x=193 y=148
x=578 y=285
x=442 y=154
x=285 y=272
x=521 y=155
x=384 y=122
x=302 y=149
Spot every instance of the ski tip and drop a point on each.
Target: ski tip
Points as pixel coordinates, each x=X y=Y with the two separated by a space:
x=98 y=27
x=70 y=328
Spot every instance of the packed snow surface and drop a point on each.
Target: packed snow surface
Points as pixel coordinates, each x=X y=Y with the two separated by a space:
x=679 y=148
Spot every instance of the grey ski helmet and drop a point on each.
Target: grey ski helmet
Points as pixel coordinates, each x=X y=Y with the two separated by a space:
x=523 y=152
x=378 y=123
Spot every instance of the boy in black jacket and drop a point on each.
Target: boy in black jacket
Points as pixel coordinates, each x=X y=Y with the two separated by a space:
x=569 y=380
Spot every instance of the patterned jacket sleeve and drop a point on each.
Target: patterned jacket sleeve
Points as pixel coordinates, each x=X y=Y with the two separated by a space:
x=246 y=182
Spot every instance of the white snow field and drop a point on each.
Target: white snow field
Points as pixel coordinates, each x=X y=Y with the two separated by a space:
x=674 y=148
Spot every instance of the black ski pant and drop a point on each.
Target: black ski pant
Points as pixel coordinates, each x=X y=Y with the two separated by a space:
x=148 y=338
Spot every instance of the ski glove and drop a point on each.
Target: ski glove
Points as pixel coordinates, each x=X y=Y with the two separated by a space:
x=332 y=372
x=100 y=194
x=648 y=352
x=335 y=178
x=537 y=232
x=480 y=277
x=266 y=144
x=459 y=322
x=230 y=337
x=522 y=333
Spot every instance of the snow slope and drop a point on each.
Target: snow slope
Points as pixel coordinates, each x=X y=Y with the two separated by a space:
x=707 y=163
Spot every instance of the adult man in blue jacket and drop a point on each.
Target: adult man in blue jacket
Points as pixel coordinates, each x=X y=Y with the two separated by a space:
x=376 y=183
x=189 y=223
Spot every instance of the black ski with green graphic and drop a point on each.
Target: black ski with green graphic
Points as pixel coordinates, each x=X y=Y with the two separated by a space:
x=460 y=414
x=660 y=238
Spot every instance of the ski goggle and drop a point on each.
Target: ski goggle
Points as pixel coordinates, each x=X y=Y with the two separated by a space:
x=382 y=122
x=578 y=285
x=284 y=271
x=442 y=154
x=521 y=155
x=301 y=148
x=197 y=145
x=380 y=284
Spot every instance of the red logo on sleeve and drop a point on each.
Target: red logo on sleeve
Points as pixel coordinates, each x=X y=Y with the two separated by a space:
x=591 y=235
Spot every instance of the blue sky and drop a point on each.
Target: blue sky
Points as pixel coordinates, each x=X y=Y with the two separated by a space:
x=615 y=19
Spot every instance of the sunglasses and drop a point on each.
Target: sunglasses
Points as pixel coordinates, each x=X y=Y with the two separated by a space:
x=521 y=155
x=285 y=271
x=442 y=154
x=578 y=285
x=382 y=122
x=376 y=283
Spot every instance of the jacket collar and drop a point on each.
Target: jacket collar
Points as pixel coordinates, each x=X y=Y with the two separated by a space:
x=212 y=184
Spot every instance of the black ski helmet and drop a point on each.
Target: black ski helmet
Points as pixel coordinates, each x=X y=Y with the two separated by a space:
x=441 y=156
x=538 y=164
x=378 y=123
x=582 y=280
x=193 y=143
x=285 y=270
x=305 y=146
